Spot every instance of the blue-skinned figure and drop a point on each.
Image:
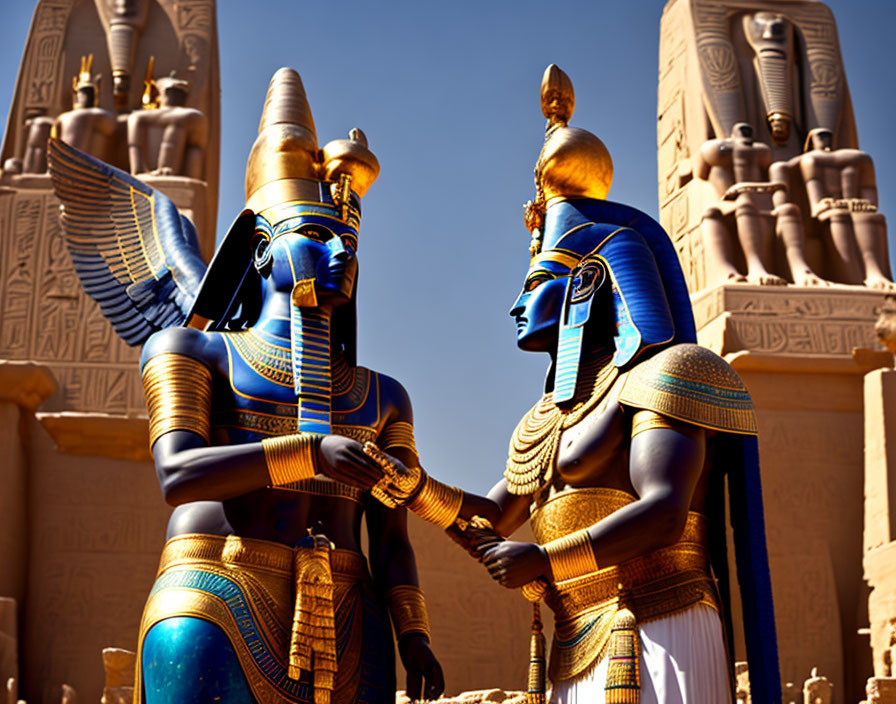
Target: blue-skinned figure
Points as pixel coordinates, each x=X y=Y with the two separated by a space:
x=257 y=413
x=619 y=466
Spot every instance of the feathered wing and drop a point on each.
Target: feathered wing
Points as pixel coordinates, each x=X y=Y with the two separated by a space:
x=135 y=254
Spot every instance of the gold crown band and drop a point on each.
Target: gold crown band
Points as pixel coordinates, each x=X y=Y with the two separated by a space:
x=571 y=556
x=407 y=607
x=291 y=458
x=437 y=503
x=647 y=420
x=178 y=393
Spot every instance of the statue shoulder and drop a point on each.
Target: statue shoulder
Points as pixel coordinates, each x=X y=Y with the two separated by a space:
x=692 y=384
x=202 y=346
x=395 y=403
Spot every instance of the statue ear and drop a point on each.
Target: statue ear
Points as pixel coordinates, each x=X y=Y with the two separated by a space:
x=584 y=282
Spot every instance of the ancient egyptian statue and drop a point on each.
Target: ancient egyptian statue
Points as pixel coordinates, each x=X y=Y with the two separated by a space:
x=169 y=140
x=774 y=66
x=605 y=299
x=124 y=22
x=87 y=126
x=842 y=194
x=257 y=409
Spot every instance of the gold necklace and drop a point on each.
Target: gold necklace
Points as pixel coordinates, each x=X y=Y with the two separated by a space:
x=274 y=362
x=534 y=444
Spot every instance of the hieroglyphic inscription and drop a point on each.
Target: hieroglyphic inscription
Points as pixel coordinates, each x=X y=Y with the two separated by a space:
x=194 y=26
x=42 y=72
x=17 y=287
x=718 y=60
x=45 y=316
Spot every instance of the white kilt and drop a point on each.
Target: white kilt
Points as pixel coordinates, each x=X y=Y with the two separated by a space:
x=683 y=661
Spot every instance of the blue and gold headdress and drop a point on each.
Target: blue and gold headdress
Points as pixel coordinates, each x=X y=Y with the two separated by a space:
x=574 y=227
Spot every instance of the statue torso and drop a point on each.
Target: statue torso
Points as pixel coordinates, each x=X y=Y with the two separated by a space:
x=253 y=398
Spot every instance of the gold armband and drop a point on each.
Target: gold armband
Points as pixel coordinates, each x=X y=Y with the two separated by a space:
x=407 y=608
x=178 y=395
x=398 y=434
x=291 y=458
x=571 y=556
x=437 y=503
x=647 y=420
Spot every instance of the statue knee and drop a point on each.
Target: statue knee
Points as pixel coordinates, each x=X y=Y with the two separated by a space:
x=745 y=209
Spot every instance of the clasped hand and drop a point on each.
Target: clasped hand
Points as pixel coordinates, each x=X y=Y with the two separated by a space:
x=511 y=563
x=344 y=460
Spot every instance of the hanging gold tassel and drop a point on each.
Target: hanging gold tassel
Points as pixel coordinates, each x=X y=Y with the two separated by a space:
x=536 y=689
x=624 y=672
x=312 y=644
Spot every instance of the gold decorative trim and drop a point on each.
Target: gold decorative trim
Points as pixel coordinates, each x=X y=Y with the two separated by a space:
x=178 y=395
x=437 y=503
x=407 y=607
x=571 y=556
x=692 y=384
x=647 y=420
x=291 y=458
x=398 y=433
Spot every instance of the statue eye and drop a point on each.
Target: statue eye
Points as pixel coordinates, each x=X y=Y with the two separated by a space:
x=315 y=233
x=536 y=281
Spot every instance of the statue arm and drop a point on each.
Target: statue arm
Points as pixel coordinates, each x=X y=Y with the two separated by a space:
x=703 y=165
x=196 y=147
x=779 y=172
x=393 y=567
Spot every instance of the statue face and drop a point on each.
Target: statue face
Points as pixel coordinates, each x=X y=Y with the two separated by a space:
x=557 y=105
x=311 y=251
x=822 y=139
x=537 y=310
x=743 y=131
x=779 y=125
x=767 y=29
x=85 y=97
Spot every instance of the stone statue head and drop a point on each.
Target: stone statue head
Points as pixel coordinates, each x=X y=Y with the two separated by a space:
x=85 y=86
x=742 y=132
x=820 y=138
x=771 y=36
x=173 y=91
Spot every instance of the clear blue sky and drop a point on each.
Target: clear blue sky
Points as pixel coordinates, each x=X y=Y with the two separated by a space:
x=448 y=96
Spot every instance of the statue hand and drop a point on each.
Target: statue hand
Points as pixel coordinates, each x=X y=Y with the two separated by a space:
x=344 y=460
x=421 y=665
x=514 y=564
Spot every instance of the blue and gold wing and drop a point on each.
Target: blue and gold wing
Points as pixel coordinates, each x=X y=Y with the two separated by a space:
x=135 y=254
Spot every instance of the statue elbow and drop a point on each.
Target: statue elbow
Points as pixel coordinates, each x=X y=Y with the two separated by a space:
x=670 y=517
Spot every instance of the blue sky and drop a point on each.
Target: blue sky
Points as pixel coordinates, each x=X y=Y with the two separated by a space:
x=447 y=94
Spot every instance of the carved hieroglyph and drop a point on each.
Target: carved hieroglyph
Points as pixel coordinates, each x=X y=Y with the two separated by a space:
x=720 y=65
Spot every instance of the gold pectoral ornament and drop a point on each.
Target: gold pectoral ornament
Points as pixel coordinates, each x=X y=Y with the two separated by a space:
x=430 y=499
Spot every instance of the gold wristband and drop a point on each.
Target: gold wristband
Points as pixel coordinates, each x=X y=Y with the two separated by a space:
x=647 y=420
x=437 y=503
x=178 y=395
x=291 y=458
x=571 y=556
x=407 y=608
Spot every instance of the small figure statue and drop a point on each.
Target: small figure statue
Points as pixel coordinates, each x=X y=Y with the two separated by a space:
x=771 y=36
x=842 y=193
x=257 y=409
x=124 y=22
x=617 y=467
x=735 y=167
x=169 y=140
x=88 y=127
x=817 y=690
x=37 y=132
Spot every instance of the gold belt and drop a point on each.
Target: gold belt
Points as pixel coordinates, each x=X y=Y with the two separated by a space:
x=284 y=585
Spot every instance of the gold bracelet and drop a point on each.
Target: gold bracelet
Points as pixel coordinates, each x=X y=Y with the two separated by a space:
x=291 y=458
x=408 y=610
x=437 y=503
x=571 y=556
x=178 y=393
x=647 y=420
